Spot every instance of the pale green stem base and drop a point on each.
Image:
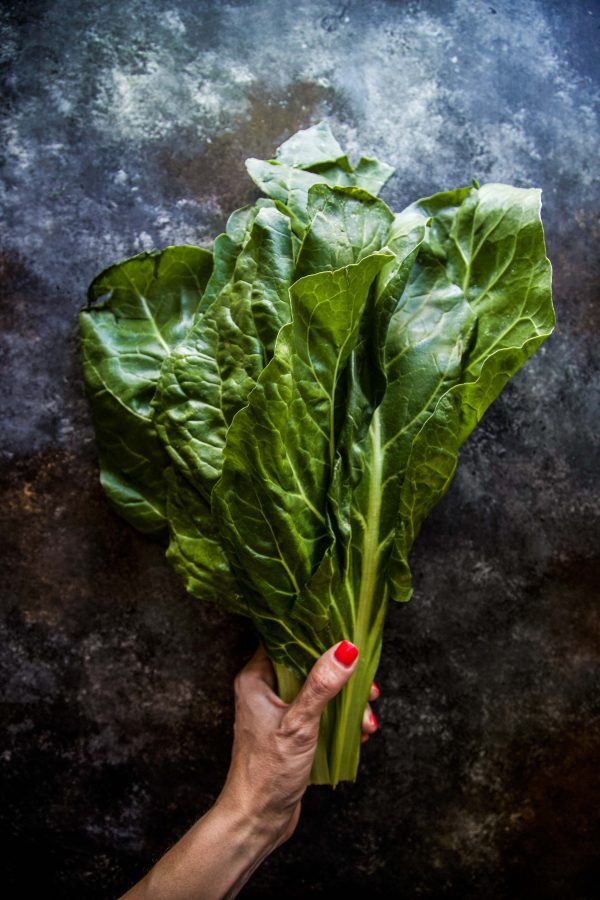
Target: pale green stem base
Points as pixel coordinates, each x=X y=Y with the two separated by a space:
x=338 y=749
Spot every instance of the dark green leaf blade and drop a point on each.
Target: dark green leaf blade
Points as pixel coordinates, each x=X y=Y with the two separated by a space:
x=280 y=449
x=491 y=243
x=148 y=307
x=208 y=377
x=345 y=225
x=349 y=585
x=228 y=246
x=195 y=550
x=289 y=184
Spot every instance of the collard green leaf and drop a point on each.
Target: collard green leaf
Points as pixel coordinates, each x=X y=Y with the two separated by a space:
x=303 y=162
x=347 y=594
x=287 y=184
x=490 y=241
x=195 y=550
x=345 y=225
x=290 y=185
x=208 y=377
x=228 y=246
x=225 y=254
x=280 y=448
x=312 y=149
x=371 y=175
x=137 y=311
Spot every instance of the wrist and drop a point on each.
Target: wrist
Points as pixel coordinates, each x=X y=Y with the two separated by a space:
x=262 y=826
x=213 y=860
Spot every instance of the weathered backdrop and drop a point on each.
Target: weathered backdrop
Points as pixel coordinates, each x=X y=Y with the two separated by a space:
x=125 y=127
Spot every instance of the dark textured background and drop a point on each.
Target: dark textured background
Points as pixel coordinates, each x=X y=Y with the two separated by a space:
x=125 y=127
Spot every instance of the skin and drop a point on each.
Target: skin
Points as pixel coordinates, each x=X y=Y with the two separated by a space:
x=259 y=806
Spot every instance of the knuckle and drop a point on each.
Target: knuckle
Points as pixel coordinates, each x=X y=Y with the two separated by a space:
x=321 y=685
x=300 y=732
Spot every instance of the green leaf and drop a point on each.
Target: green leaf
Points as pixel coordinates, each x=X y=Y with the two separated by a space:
x=490 y=242
x=287 y=184
x=225 y=254
x=195 y=549
x=396 y=458
x=280 y=449
x=312 y=148
x=208 y=377
x=350 y=583
x=308 y=158
x=371 y=175
x=228 y=246
x=345 y=225
x=137 y=311
x=290 y=185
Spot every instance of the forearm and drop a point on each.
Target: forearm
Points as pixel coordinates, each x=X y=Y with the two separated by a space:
x=258 y=808
x=212 y=861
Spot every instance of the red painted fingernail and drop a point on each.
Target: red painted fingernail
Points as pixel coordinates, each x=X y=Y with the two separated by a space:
x=346 y=653
x=375 y=687
x=373 y=720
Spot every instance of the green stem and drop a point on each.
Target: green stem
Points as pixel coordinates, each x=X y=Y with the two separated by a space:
x=346 y=711
x=287 y=688
x=367 y=632
x=338 y=749
x=287 y=684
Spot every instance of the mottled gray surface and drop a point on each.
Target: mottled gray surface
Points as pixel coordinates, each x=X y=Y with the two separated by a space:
x=125 y=126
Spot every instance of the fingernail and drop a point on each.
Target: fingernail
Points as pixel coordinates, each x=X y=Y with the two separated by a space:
x=346 y=653
x=375 y=687
x=373 y=720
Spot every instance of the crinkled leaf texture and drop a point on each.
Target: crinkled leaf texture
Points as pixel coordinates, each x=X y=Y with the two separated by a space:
x=293 y=405
x=137 y=311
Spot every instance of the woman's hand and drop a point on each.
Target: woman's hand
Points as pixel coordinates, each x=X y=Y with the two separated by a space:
x=258 y=808
x=274 y=742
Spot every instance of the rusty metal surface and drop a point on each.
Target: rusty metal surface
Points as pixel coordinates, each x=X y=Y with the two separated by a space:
x=125 y=126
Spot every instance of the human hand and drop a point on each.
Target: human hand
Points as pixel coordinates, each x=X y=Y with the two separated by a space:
x=273 y=748
x=275 y=742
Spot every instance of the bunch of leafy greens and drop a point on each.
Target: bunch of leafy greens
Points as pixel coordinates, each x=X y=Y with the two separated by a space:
x=289 y=407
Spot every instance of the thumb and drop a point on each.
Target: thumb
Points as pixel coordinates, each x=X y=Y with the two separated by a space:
x=326 y=679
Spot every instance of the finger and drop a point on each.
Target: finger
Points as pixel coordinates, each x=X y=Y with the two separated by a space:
x=369 y=722
x=260 y=667
x=326 y=679
x=374 y=692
